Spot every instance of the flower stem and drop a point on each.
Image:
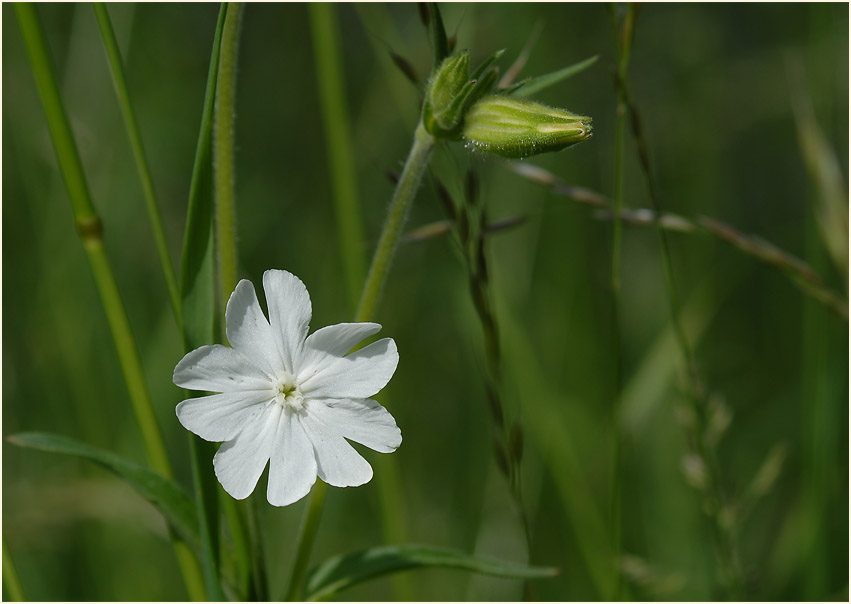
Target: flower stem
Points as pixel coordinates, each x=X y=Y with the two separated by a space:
x=332 y=96
x=223 y=158
x=306 y=536
x=113 y=54
x=400 y=205
x=10 y=577
x=90 y=230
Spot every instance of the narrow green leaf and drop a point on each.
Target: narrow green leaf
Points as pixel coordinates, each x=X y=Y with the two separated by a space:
x=11 y=581
x=343 y=571
x=538 y=83
x=169 y=499
x=197 y=286
x=438 y=34
x=197 y=291
x=116 y=66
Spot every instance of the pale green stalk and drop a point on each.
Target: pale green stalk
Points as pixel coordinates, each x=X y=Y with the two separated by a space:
x=306 y=535
x=10 y=577
x=224 y=179
x=332 y=97
x=90 y=231
x=400 y=205
x=223 y=156
x=403 y=197
x=116 y=67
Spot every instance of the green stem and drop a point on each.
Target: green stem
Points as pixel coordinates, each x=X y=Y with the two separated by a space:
x=223 y=160
x=730 y=571
x=403 y=198
x=306 y=536
x=400 y=205
x=116 y=67
x=10 y=576
x=615 y=503
x=90 y=230
x=258 y=566
x=332 y=97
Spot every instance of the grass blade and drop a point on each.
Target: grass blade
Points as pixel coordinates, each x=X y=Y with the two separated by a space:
x=538 y=83
x=343 y=571
x=116 y=68
x=10 y=577
x=169 y=499
x=197 y=290
x=438 y=34
x=329 y=73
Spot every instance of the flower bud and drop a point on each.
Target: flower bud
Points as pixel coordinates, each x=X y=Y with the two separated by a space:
x=518 y=128
x=446 y=94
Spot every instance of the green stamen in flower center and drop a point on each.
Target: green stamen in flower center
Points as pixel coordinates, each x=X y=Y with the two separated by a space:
x=288 y=394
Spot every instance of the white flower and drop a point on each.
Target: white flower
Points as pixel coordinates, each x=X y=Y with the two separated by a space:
x=288 y=397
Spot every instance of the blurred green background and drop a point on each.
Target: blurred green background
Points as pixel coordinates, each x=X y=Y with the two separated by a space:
x=714 y=85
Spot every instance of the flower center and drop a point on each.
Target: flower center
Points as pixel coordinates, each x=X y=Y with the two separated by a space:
x=288 y=394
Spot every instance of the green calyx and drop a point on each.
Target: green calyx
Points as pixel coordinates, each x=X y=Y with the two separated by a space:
x=517 y=128
x=452 y=90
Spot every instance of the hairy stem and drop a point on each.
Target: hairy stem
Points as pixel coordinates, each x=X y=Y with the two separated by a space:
x=223 y=153
x=400 y=205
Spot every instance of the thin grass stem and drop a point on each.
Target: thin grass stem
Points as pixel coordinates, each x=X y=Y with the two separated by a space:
x=116 y=67
x=332 y=97
x=730 y=572
x=10 y=576
x=90 y=231
x=615 y=490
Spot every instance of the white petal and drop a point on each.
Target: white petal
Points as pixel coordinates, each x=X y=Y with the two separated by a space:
x=337 y=462
x=292 y=470
x=248 y=330
x=332 y=341
x=358 y=375
x=218 y=368
x=289 y=314
x=222 y=416
x=363 y=421
x=240 y=462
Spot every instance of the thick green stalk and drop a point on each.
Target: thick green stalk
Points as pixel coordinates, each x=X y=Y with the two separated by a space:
x=116 y=67
x=223 y=158
x=403 y=198
x=332 y=97
x=10 y=577
x=400 y=205
x=90 y=230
